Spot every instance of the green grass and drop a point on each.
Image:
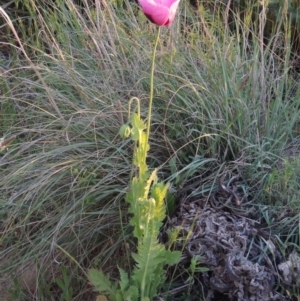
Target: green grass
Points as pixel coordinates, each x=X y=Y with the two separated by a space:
x=224 y=103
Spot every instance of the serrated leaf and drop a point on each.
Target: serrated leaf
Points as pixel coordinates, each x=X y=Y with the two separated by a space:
x=158 y=192
x=101 y=282
x=132 y=294
x=119 y=297
x=124 y=281
x=149 y=263
x=152 y=178
x=136 y=190
x=137 y=126
x=172 y=257
x=139 y=159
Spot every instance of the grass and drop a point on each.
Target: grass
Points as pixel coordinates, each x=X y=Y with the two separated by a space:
x=224 y=103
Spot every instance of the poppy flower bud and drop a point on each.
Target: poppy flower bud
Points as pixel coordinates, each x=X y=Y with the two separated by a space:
x=125 y=131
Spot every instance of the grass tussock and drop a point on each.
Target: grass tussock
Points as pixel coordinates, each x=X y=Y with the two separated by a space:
x=225 y=101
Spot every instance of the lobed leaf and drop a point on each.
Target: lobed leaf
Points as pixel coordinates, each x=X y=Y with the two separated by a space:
x=101 y=282
x=124 y=280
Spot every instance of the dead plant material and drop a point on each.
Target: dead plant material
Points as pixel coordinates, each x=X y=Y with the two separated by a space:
x=241 y=256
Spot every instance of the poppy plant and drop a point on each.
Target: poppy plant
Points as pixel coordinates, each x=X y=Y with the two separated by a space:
x=160 y=12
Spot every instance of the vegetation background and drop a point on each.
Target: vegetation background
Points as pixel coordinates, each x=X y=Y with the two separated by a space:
x=226 y=101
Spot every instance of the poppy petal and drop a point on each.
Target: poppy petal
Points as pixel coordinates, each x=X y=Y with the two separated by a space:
x=160 y=12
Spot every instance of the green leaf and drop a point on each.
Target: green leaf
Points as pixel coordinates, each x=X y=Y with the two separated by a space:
x=124 y=281
x=119 y=296
x=136 y=191
x=172 y=235
x=101 y=282
x=137 y=127
x=159 y=191
x=152 y=178
x=170 y=202
x=60 y=283
x=172 y=257
x=132 y=294
x=149 y=263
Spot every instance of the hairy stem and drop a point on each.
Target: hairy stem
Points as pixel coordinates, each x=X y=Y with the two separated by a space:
x=151 y=91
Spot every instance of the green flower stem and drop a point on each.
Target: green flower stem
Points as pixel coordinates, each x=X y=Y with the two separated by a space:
x=138 y=106
x=151 y=91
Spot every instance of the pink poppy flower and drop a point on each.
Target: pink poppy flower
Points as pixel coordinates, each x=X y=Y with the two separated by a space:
x=160 y=12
